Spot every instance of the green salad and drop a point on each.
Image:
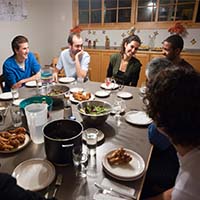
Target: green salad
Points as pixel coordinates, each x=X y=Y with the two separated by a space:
x=94 y=110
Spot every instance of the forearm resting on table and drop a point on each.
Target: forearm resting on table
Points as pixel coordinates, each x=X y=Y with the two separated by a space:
x=32 y=78
x=163 y=196
x=80 y=72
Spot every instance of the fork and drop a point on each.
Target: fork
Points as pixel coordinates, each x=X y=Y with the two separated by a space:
x=57 y=184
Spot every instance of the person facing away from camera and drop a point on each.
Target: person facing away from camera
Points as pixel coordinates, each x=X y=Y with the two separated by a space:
x=172 y=47
x=22 y=66
x=123 y=66
x=74 y=59
x=172 y=101
x=162 y=176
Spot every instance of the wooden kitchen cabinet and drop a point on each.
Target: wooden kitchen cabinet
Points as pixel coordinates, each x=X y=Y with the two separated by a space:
x=194 y=60
x=100 y=60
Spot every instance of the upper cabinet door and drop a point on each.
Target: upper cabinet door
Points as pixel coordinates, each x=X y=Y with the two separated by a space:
x=119 y=14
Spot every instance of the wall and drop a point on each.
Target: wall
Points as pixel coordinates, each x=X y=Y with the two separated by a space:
x=46 y=27
x=116 y=37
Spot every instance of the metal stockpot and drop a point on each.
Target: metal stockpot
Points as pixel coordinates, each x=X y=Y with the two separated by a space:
x=60 y=137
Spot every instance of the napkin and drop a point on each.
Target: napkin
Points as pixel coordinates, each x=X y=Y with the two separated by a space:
x=117 y=186
x=99 y=196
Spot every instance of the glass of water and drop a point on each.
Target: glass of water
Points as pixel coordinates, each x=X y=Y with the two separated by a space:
x=119 y=107
x=80 y=160
x=91 y=140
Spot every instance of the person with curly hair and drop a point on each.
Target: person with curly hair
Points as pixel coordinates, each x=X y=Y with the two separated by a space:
x=123 y=66
x=172 y=101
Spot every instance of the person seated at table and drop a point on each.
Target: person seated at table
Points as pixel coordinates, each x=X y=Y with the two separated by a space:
x=159 y=177
x=172 y=101
x=9 y=190
x=123 y=66
x=172 y=47
x=22 y=66
x=74 y=59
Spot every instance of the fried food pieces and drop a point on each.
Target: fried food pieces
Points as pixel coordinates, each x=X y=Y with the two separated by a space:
x=118 y=157
x=81 y=96
x=11 y=139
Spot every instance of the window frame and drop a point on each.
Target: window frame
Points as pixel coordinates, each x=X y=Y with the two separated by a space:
x=133 y=20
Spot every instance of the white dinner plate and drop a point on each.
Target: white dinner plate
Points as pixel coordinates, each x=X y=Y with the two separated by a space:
x=76 y=89
x=126 y=172
x=17 y=102
x=111 y=86
x=66 y=79
x=102 y=93
x=138 y=118
x=32 y=84
x=100 y=135
x=71 y=98
x=20 y=147
x=34 y=174
x=124 y=95
x=8 y=96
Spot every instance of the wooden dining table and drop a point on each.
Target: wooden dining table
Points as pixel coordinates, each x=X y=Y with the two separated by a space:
x=127 y=135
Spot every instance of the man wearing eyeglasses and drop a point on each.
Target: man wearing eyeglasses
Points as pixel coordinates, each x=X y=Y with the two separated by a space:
x=74 y=60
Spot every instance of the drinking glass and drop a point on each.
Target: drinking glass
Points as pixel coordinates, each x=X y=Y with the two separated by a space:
x=119 y=106
x=16 y=116
x=91 y=135
x=80 y=160
x=15 y=93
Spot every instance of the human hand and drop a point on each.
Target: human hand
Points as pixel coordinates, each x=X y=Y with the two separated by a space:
x=79 y=54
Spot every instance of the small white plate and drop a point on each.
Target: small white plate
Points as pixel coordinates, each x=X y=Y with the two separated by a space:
x=71 y=98
x=138 y=118
x=8 y=96
x=17 y=102
x=66 y=79
x=111 y=86
x=100 y=135
x=76 y=89
x=126 y=172
x=20 y=147
x=124 y=95
x=32 y=84
x=102 y=93
x=34 y=174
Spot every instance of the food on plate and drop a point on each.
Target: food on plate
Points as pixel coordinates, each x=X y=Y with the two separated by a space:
x=94 y=110
x=118 y=157
x=11 y=139
x=81 y=96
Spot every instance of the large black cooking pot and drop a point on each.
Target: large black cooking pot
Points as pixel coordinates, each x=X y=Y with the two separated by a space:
x=60 y=137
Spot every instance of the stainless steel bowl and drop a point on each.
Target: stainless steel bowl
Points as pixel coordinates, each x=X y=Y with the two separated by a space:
x=54 y=91
x=94 y=119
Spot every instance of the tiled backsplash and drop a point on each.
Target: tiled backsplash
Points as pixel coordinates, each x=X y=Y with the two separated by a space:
x=191 y=40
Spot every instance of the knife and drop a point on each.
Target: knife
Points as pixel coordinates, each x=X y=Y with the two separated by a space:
x=57 y=184
x=113 y=191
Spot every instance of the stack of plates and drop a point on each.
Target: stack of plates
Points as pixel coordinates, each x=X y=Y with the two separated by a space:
x=125 y=172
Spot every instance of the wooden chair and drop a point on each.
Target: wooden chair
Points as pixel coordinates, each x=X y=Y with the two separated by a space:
x=54 y=63
x=2 y=81
x=37 y=56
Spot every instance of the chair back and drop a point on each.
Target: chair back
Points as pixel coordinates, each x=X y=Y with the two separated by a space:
x=2 y=81
x=37 y=56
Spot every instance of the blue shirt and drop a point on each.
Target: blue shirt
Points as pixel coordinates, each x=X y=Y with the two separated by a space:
x=13 y=73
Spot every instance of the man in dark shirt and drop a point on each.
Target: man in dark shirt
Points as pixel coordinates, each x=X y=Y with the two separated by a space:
x=172 y=47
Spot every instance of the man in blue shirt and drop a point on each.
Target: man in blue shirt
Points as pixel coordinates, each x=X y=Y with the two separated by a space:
x=22 y=66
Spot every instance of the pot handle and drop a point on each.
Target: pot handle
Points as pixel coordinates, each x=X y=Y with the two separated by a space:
x=67 y=145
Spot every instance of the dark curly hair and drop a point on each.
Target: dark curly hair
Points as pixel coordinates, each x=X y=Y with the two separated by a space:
x=128 y=40
x=173 y=102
